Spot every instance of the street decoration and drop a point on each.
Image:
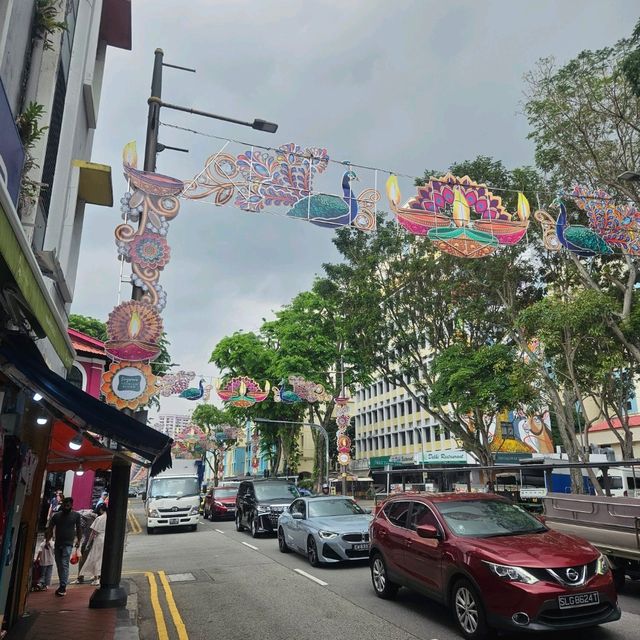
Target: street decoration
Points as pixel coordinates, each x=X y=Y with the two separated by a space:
x=580 y=240
x=134 y=329
x=616 y=224
x=242 y=391
x=173 y=384
x=343 y=442
x=255 y=180
x=302 y=391
x=255 y=450
x=128 y=385
x=442 y=210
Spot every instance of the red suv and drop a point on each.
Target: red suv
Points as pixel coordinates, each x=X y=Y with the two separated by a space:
x=491 y=562
x=220 y=502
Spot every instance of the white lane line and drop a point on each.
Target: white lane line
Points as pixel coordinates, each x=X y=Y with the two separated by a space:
x=219 y=530
x=308 y=575
x=246 y=544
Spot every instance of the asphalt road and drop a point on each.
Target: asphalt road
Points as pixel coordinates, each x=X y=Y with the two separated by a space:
x=217 y=585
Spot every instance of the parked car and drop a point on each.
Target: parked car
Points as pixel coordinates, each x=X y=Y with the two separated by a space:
x=326 y=529
x=494 y=564
x=260 y=502
x=220 y=502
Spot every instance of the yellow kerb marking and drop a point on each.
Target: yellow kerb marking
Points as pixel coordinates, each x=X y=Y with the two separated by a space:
x=157 y=609
x=171 y=603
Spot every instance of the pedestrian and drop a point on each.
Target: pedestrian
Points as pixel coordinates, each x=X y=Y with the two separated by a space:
x=325 y=489
x=93 y=564
x=54 y=503
x=87 y=517
x=104 y=499
x=45 y=557
x=67 y=526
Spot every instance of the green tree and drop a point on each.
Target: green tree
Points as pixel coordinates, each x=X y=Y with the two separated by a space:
x=88 y=325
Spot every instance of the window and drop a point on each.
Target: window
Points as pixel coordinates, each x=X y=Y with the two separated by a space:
x=427 y=434
x=396 y=513
x=421 y=514
x=410 y=435
x=395 y=410
x=75 y=377
x=298 y=507
x=409 y=406
x=395 y=439
x=403 y=438
x=388 y=438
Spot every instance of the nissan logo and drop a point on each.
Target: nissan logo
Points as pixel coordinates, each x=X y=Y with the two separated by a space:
x=572 y=575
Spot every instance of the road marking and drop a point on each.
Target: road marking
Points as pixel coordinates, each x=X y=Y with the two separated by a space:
x=246 y=544
x=171 y=603
x=133 y=522
x=308 y=575
x=219 y=530
x=157 y=609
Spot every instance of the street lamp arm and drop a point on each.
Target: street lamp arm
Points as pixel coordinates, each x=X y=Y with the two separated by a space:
x=261 y=125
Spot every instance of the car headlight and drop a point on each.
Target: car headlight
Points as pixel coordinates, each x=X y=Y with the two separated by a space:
x=262 y=509
x=154 y=513
x=218 y=504
x=512 y=574
x=602 y=565
x=327 y=535
x=193 y=511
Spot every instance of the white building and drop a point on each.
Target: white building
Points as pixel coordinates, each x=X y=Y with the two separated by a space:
x=170 y=424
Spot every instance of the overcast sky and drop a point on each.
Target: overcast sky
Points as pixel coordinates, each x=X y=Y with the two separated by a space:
x=397 y=84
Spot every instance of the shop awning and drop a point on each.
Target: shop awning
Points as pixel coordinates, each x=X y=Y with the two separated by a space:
x=91 y=455
x=21 y=361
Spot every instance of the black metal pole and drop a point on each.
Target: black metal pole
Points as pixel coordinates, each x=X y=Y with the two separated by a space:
x=153 y=115
x=111 y=594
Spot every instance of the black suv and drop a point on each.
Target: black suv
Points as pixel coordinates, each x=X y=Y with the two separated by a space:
x=260 y=503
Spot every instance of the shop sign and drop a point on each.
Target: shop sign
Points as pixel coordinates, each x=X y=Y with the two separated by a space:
x=511 y=458
x=378 y=462
x=402 y=459
x=445 y=457
x=533 y=493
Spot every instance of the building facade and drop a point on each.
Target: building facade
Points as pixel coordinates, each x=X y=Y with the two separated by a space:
x=171 y=424
x=52 y=55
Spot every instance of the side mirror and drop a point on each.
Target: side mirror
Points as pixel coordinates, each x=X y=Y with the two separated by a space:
x=428 y=531
x=297 y=516
x=367 y=510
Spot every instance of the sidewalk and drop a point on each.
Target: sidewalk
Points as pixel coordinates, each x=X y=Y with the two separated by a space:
x=52 y=618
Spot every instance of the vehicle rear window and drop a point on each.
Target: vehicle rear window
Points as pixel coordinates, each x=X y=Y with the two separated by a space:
x=396 y=513
x=487 y=518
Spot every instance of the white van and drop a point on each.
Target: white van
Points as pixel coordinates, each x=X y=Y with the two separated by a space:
x=173 y=498
x=624 y=481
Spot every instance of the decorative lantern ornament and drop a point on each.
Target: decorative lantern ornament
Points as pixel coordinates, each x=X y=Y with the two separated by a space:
x=242 y=391
x=343 y=442
x=128 y=385
x=134 y=329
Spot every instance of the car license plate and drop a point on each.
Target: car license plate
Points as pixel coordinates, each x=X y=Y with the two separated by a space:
x=174 y=520
x=579 y=600
x=361 y=547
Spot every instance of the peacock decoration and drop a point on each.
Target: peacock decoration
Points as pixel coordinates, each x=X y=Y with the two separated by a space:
x=284 y=395
x=193 y=393
x=257 y=179
x=580 y=240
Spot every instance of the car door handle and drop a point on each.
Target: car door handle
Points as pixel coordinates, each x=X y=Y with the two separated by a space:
x=408 y=543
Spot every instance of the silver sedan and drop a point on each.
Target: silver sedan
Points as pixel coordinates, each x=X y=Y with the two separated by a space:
x=325 y=529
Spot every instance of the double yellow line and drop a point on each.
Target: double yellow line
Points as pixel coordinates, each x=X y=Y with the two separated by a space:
x=133 y=523
x=158 y=614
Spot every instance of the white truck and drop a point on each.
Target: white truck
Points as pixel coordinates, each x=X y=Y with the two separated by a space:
x=173 y=497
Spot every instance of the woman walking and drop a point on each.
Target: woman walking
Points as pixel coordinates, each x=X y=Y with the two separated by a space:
x=93 y=563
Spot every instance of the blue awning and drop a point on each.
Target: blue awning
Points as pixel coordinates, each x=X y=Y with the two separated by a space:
x=21 y=361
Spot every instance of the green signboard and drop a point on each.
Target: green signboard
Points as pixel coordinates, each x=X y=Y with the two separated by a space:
x=511 y=458
x=378 y=462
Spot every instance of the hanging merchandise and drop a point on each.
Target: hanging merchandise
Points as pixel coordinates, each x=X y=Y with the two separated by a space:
x=303 y=391
x=257 y=179
x=442 y=211
x=577 y=238
x=134 y=329
x=242 y=392
x=128 y=384
x=617 y=225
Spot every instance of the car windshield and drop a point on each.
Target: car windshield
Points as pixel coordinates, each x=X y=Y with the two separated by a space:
x=174 y=487
x=276 y=491
x=337 y=507
x=488 y=518
x=225 y=493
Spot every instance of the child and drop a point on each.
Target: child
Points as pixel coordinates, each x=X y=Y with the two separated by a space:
x=45 y=558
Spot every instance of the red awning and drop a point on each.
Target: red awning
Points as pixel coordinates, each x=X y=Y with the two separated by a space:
x=90 y=455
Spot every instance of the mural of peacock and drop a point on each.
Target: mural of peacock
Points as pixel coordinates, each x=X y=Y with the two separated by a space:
x=579 y=239
x=193 y=393
x=327 y=210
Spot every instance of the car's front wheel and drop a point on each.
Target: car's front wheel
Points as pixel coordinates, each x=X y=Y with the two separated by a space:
x=312 y=553
x=468 y=611
x=239 y=526
x=282 y=543
x=383 y=587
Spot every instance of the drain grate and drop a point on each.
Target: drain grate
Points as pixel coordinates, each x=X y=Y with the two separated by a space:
x=180 y=577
